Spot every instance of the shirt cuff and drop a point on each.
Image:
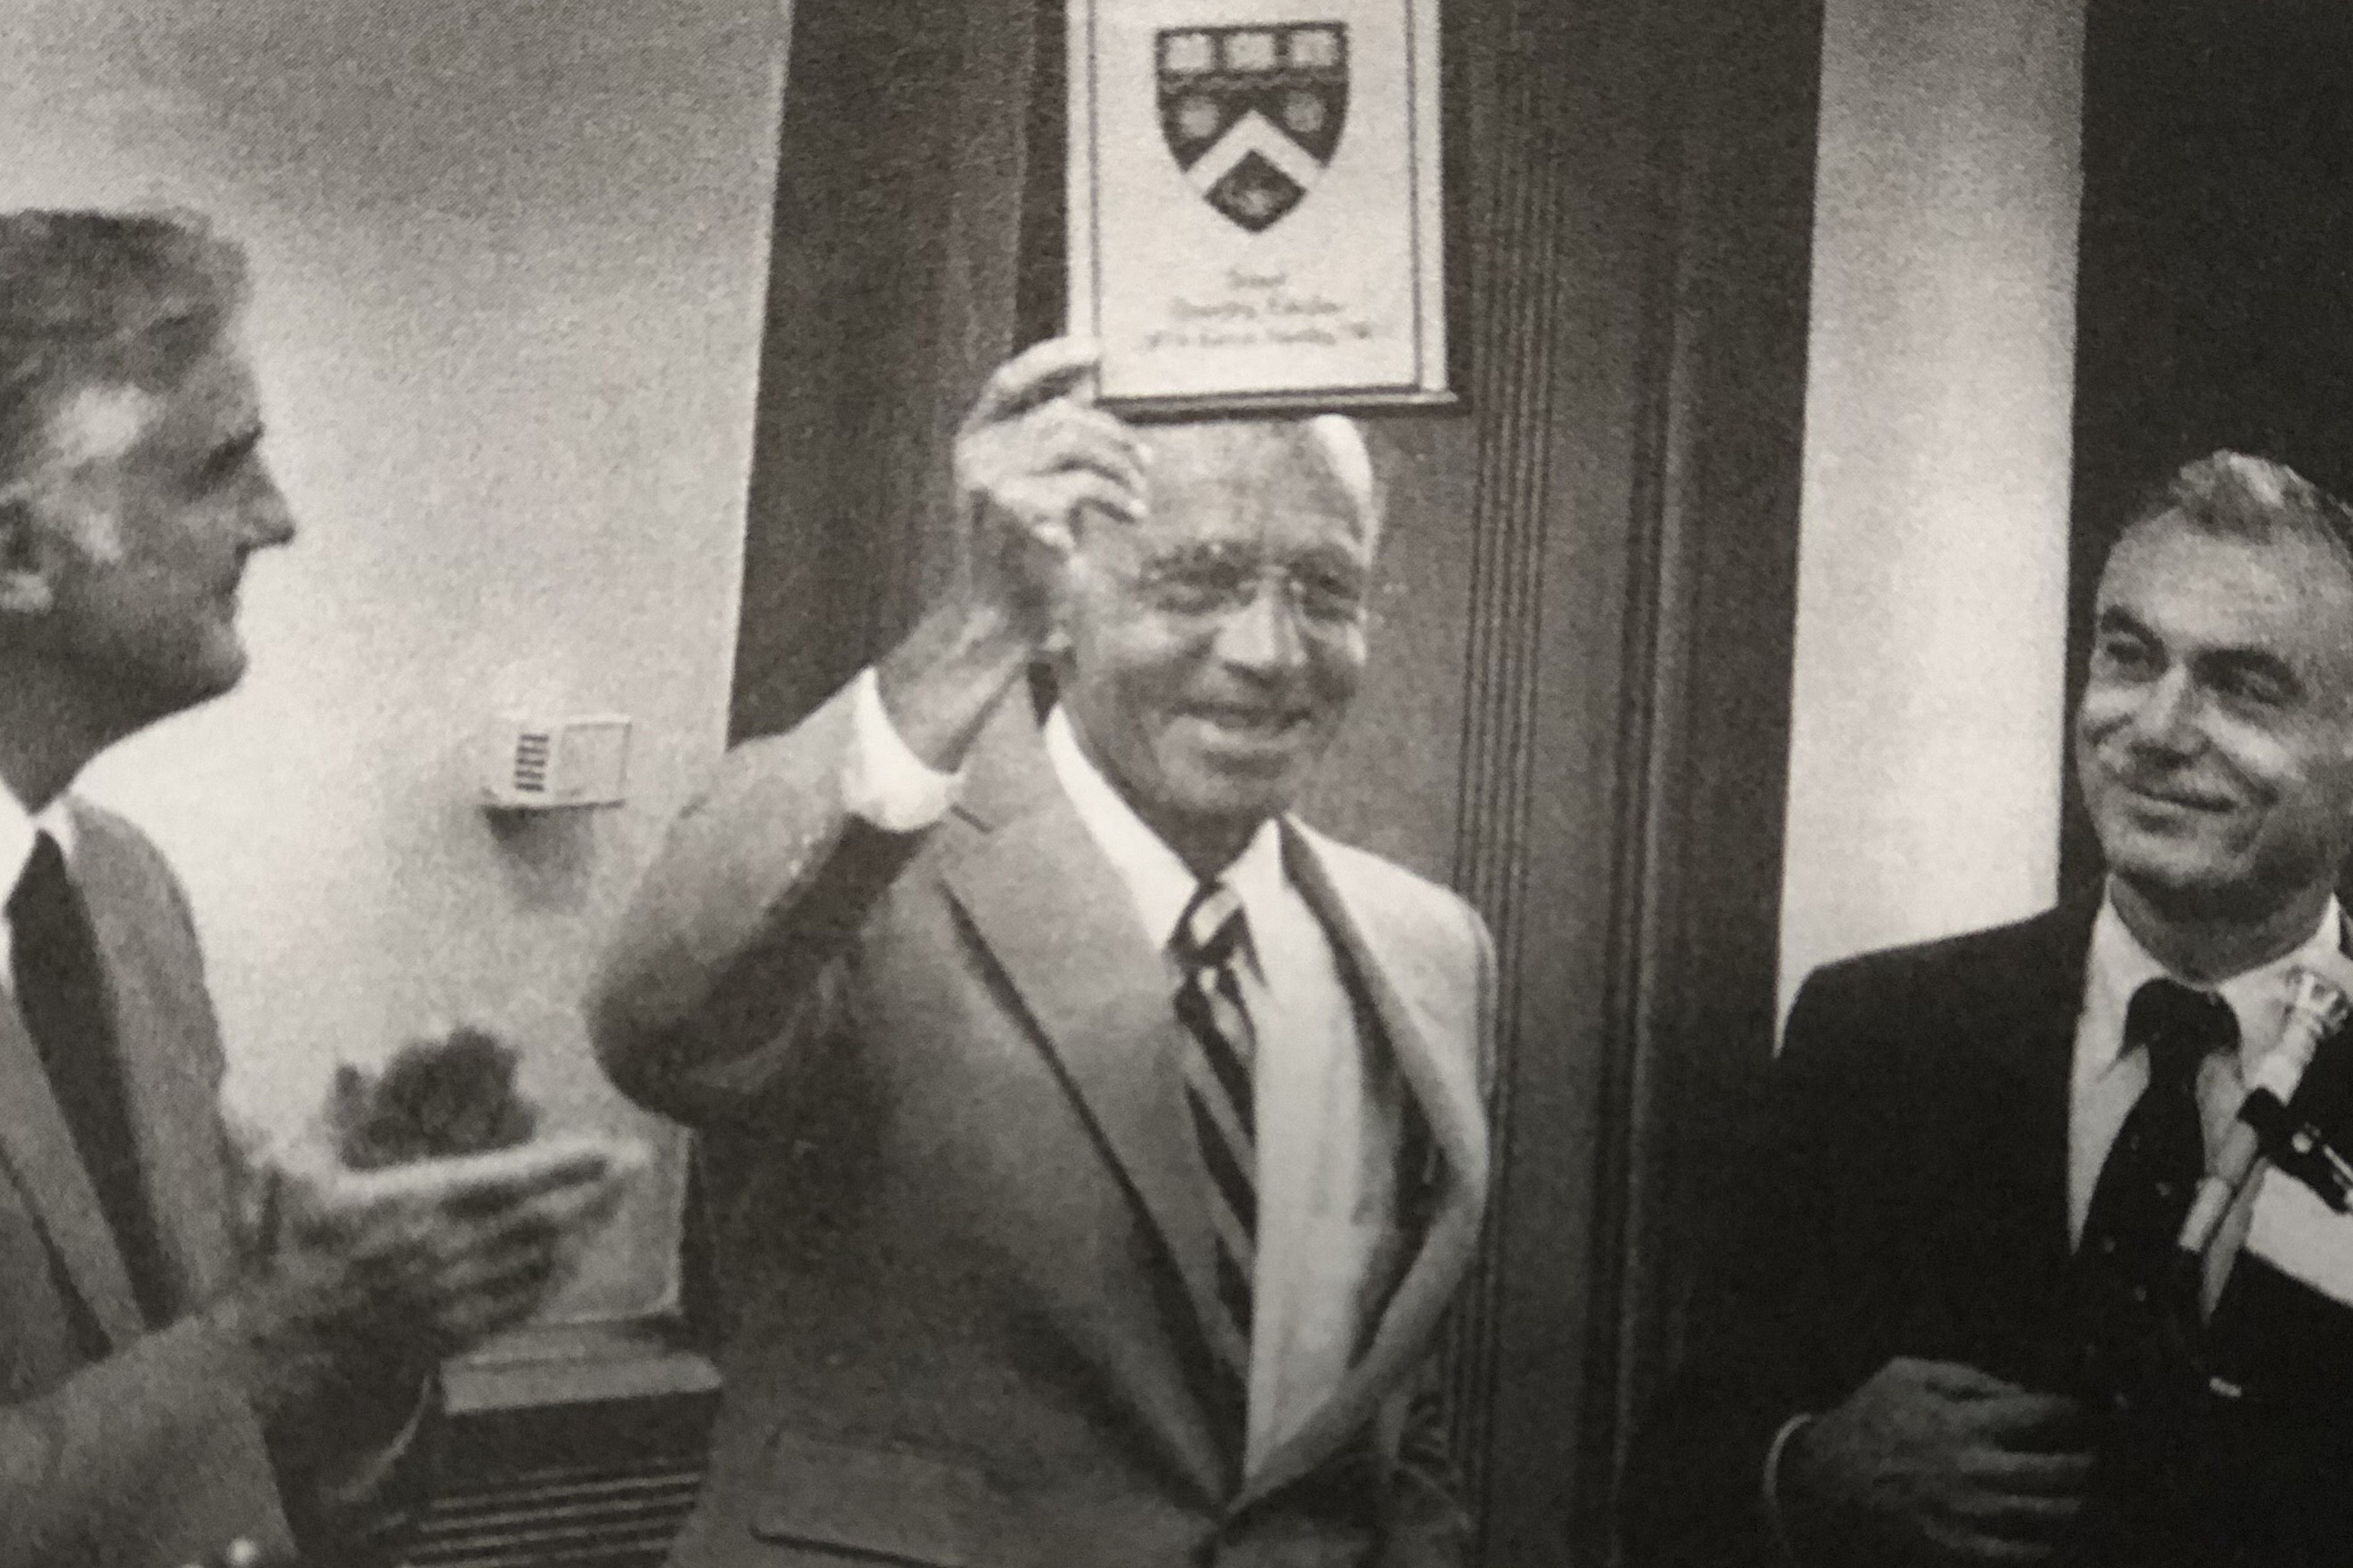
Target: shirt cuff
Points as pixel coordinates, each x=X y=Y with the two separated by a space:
x=1769 y=1492
x=883 y=780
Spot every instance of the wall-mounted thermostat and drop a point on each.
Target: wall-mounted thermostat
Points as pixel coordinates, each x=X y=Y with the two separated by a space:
x=535 y=763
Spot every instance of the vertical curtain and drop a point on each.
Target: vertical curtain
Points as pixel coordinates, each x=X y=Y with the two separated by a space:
x=894 y=273
x=892 y=289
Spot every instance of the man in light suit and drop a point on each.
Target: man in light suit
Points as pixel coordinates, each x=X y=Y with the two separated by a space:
x=1948 y=1322
x=1118 y=1139
x=178 y=1384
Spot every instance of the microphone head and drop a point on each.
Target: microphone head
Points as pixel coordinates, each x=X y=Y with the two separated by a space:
x=2332 y=968
x=2323 y=994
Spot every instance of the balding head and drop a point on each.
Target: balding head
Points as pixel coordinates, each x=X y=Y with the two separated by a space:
x=1341 y=444
x=1237 y=454
x=1214 y=647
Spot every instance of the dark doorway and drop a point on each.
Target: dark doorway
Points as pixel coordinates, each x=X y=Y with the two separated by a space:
x=2215 y=300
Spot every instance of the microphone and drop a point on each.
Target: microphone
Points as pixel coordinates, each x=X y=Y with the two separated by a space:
x=2320 y=1002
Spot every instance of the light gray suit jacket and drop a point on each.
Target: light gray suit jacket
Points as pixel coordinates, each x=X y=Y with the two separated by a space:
x=151 y=1453
x=972 y=1250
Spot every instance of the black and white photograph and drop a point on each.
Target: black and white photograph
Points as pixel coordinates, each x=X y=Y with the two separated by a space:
x=1175 y=784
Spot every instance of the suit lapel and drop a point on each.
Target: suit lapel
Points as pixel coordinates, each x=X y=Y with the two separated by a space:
x=1445 y=1091
x=2024 y=1023
x=1104 y=1007
x=168 y=1068
x=39 y=1149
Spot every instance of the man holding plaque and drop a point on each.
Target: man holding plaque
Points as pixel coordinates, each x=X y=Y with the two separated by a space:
x=1116 y=1138
x=1963 y=1311
x=195 y=1366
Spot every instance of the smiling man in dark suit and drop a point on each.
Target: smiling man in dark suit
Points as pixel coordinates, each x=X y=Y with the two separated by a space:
x=1948 y=1322
x=1118 y=1137
x=177 y=1384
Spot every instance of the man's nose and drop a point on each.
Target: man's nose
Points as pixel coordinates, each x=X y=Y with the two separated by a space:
x=2166 y=714
x=269 y=521
x=1264 y=634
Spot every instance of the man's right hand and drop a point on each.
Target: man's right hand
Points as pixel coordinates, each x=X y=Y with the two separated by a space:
x=1940 y=1463
x=1032 y=457
x=1031 y=454
x=382 y=1293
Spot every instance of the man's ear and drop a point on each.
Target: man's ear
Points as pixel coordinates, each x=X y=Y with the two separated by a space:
x=25 y=560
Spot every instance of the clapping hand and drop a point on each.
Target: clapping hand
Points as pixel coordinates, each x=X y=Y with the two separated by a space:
x=370 y=1261
x=405 y=1282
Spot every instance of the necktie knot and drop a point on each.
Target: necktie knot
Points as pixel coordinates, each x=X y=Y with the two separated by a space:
x=40 y=883
x=1211 y=929
x=2179 y=1027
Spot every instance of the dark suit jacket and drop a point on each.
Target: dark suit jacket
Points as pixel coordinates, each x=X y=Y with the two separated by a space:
x=974 y=1250
x=147 y=1456
x=1906 y=1195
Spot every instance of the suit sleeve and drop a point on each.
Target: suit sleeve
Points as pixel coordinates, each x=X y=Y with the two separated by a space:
x=727 y=960
x=1797 y=1301
x=151 y=1457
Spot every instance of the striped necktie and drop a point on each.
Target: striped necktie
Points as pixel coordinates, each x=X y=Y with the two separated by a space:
x=1218 y=1090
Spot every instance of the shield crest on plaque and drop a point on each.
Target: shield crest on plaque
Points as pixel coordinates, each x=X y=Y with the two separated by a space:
x=1253 y=115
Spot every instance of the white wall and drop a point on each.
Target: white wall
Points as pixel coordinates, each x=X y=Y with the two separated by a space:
x=509 y=257
x=1927 y=736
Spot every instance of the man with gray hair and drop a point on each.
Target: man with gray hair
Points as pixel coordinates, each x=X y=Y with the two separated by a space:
x=1959 y=1314
x=1116 y=1138
x=179 y=1381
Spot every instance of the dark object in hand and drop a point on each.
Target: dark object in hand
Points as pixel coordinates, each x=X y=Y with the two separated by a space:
x=436 y=1098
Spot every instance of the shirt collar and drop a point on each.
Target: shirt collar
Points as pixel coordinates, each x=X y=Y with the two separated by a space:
x=1156 y=878
x=2119 y=966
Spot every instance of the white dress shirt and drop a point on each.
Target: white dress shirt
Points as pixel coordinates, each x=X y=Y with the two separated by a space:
x=1329 y=1124
x=2105 y=1081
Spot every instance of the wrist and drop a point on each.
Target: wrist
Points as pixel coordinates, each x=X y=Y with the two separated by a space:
x=1804 y=1503
x=939 y=684
x=977 y=632
x=237 y=1324
x=281 y=1371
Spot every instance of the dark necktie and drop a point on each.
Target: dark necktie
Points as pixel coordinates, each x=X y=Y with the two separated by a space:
x=1219 y=1093
x=2135 y=1290
x=61 y=993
